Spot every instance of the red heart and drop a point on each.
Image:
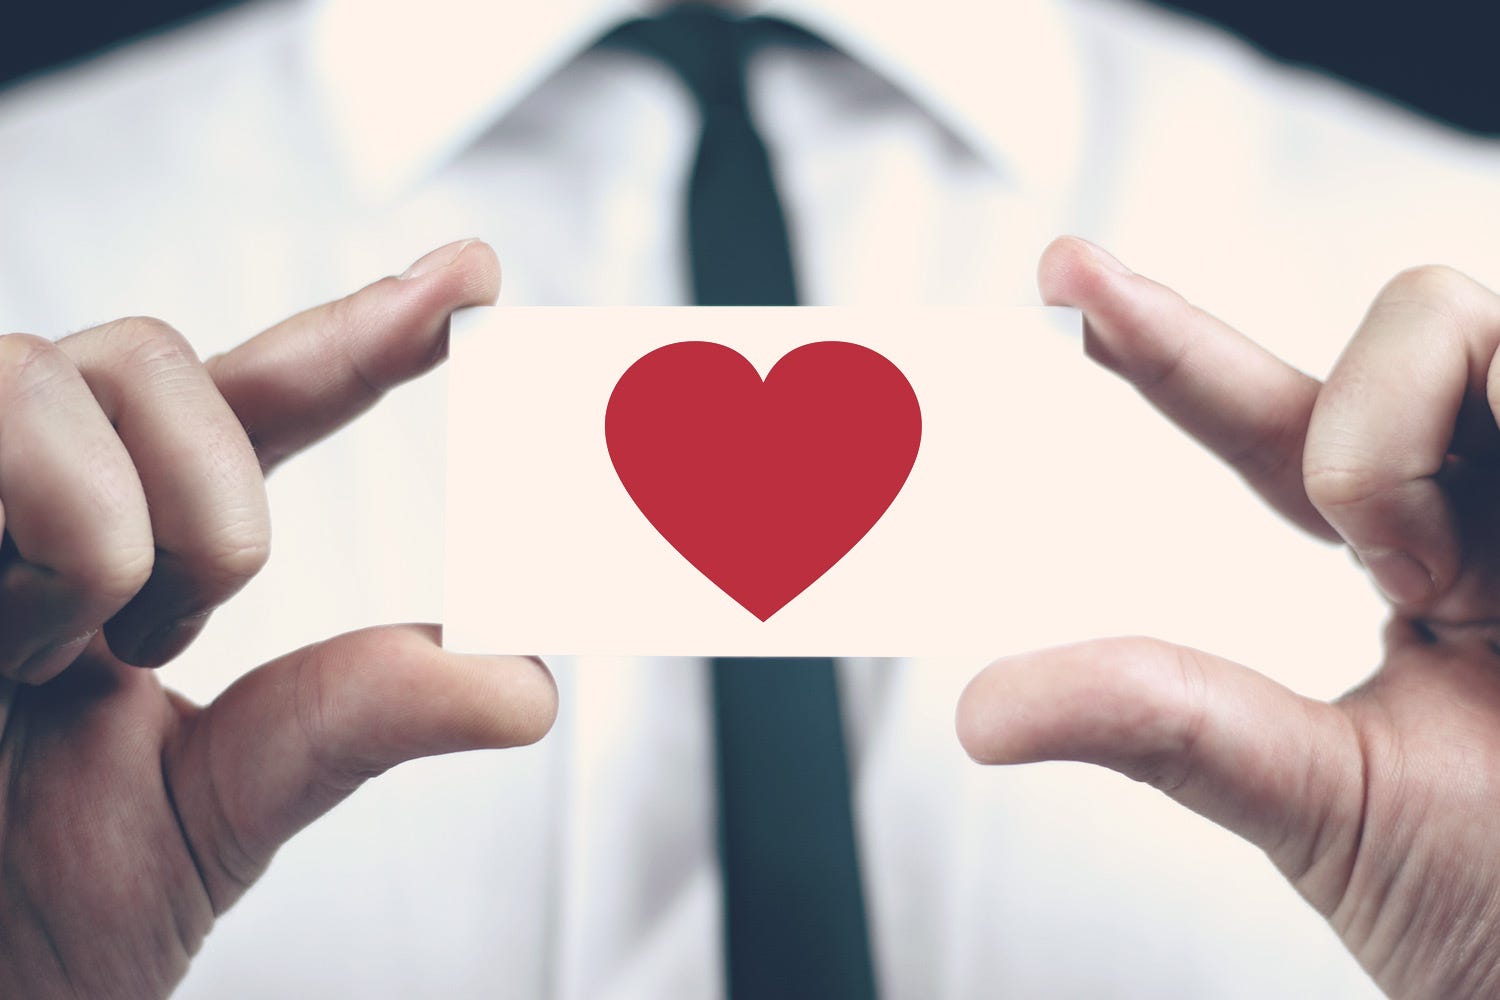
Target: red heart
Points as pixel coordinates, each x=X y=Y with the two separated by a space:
x=763 y=486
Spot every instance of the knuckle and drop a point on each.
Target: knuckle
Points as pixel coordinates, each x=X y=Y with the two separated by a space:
x=1430 y=283
x=118 y=572
x=29 y=363
x=346 y=325
x=237 y=554
x=1442 y=292
x=1185 y=727
x=150 y=343
x=346 y=316
x=1335 y=486
x=141 y=330
x=1173 y=713
x=341 y=715
x=1136 y=664
x=321 y=702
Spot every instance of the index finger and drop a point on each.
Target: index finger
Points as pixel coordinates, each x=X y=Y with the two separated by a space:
x=304 y=378
x=1243 y=403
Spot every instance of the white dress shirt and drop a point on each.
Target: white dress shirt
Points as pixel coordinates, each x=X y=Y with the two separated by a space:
x=228 y=174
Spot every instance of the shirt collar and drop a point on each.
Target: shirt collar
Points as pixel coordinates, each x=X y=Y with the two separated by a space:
x=406 y=91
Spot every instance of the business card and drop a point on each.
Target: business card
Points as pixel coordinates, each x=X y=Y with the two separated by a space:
x=755 y=481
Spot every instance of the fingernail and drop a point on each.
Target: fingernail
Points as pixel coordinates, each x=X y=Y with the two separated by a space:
x=1106 y=258
x=44 y=665
x=165 y=643
x=437 y=259
x=1401 y=578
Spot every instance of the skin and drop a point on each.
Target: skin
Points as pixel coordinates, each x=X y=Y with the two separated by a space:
x=133 y=504
x=1381 y=806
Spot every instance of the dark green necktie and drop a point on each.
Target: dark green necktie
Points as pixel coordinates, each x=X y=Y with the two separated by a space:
x=793 y=905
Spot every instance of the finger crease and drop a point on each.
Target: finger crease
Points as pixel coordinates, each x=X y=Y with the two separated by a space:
x=192 y=852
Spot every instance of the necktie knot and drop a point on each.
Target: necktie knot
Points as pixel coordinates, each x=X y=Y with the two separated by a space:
x=708 y=48
x=702 y=44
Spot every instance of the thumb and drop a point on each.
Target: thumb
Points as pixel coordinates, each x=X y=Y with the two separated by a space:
x=1278 y=769
x=290 y=740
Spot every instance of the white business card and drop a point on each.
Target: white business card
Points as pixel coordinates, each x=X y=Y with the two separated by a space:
x=754 y=481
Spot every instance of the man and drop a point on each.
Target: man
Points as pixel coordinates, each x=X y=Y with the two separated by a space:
x=276 y=157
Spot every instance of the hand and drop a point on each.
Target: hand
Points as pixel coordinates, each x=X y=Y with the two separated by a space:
x=133 y=504
x=1381 y=807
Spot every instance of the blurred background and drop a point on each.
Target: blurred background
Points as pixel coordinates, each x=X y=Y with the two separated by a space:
x=1436 y=56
